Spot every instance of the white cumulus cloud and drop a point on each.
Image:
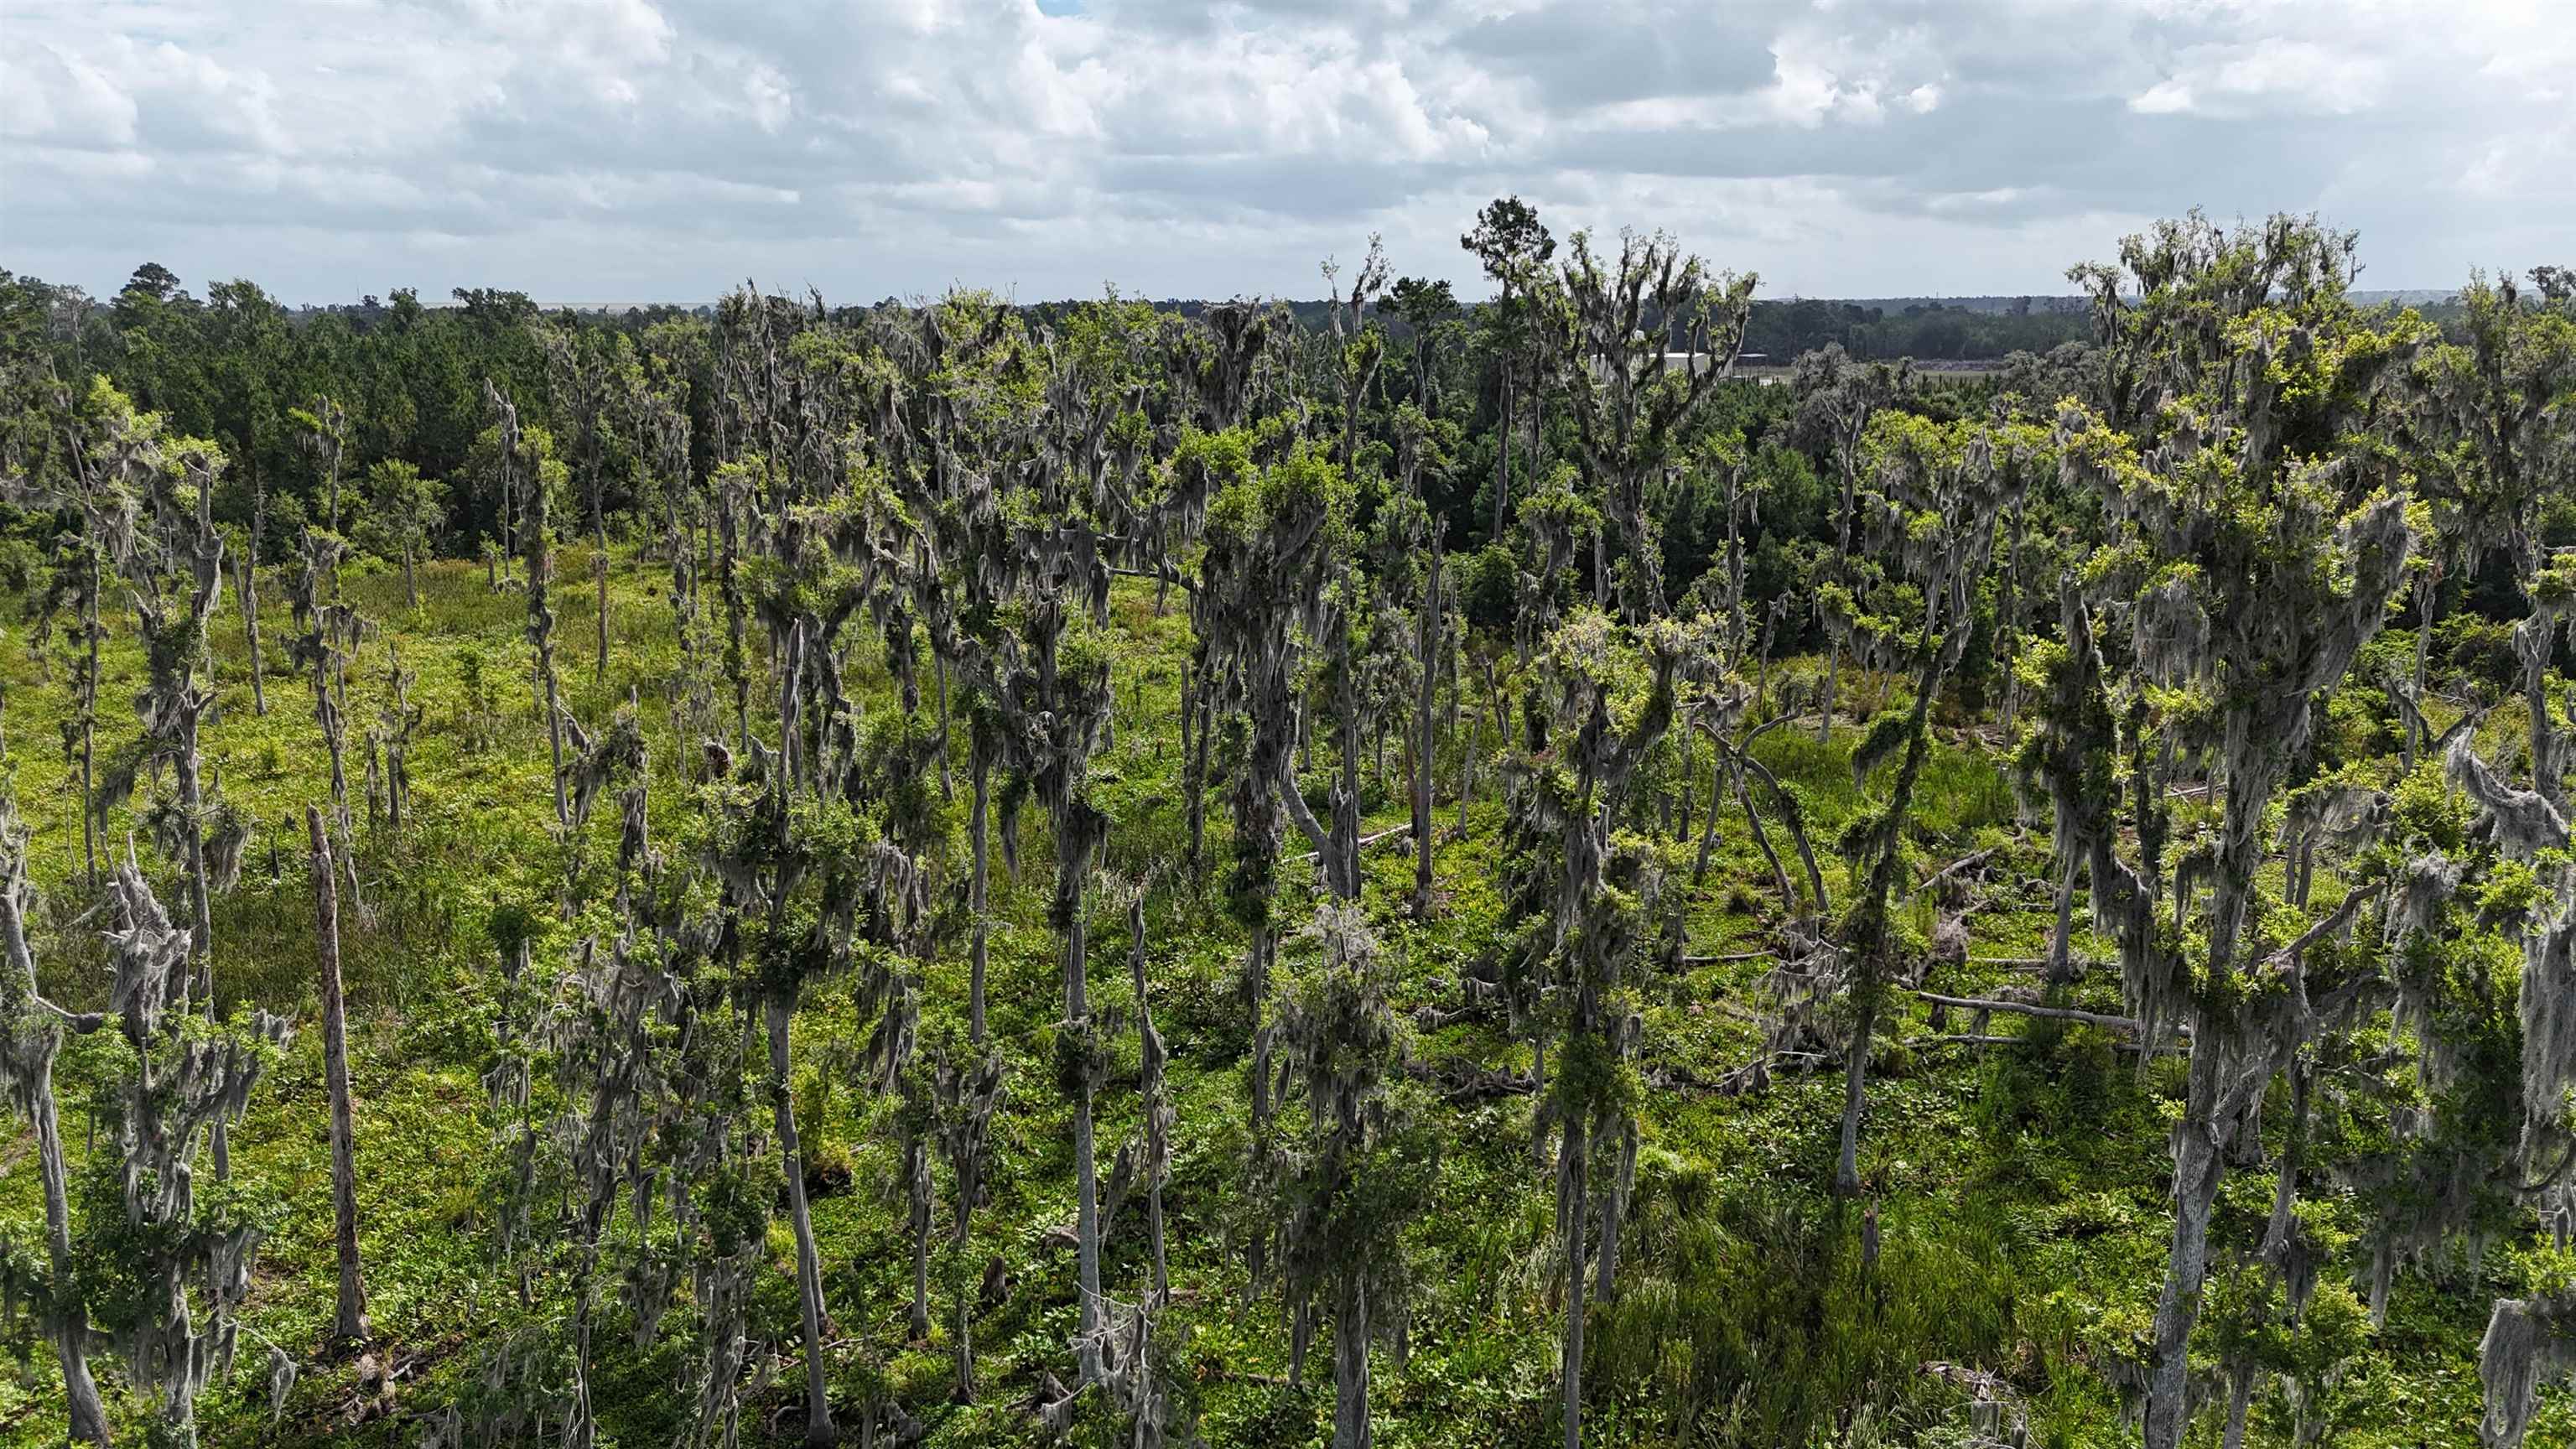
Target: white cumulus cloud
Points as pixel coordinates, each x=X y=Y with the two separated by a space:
x=631 y=149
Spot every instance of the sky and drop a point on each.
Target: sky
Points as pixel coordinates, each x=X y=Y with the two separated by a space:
x=664 y=150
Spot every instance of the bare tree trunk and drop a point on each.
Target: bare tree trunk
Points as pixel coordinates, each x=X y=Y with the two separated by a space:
x=1762 y=839
x=1351 y=1365
x=809 y=1264
x=2199 y=1166
x=2061 y=960
x=2012 y=609
x=1572 y=1157
x=961 y=1335
x=2425 y=585
x=90 y=821
x=1344 y=859
x=1825 y=711
x=1086 y=1166
x=1855 y=1092
x=1203 y=701
x=411 y=582
x=350 y=1325
x=1428 y=741
x=917 y=1176
x=2240 y=1396
x=939 y=668
x=66 y=1318
x=1149 y=1052
x=978 y=885
x=88 y=1415
x=599 y=575
x=1717 y=774
x=250 y=625
x=1614 y=1206
x=548 y=700
x=1869 y=937
x=1462 y=727
x=192 y=804
x=2209 y=1119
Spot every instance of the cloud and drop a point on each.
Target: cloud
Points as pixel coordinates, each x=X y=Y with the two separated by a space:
x=599 y=149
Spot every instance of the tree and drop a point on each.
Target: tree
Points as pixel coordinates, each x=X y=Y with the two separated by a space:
x=593 y=377
x=1347 y=1180
x=1837 y=398
x=2255 y=539
x=785 y=860
x=330 y=633
x=322 y=430
x=350 y=1323
x=404 y=511
x=1514 y=248
x=1424 y=303
x=31 y=1034
x=1602 y=700
x=1632 y=398
x=145 y=1224
x=528 y=469
x=1273 y=534
x=1930 y=509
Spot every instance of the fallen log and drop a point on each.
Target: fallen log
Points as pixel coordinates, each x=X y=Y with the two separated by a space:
x=1368 y=840
x=2128 y=1024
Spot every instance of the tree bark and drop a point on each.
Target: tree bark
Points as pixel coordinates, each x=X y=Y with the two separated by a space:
x=250 y=623
x=809 y=1265
x=1572 y=1160
x=350 y=1324
x=1503 y=450
x=192 y=804
x=978 y=885
x=1869 y=943
x=1351 y=1365
x=2061 y=936
x=1427 y=741
x=67 y=1319
x=2209 y=1119
x=599 y=574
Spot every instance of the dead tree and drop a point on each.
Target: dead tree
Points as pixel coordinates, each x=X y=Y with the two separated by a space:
x=176 y=574
x=592 y=376
x=31 y=1033
x=180 y=1085
x=350 y=1323
x=330 y=631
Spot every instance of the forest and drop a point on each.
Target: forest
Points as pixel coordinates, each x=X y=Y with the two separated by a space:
x=1399 y=871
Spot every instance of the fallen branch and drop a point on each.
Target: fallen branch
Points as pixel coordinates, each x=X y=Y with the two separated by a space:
x=1991 y=1039
x=1368 y=840
x=2128 y=1024
x=1954 y=867
x=1729 y=956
